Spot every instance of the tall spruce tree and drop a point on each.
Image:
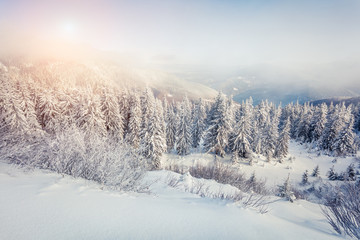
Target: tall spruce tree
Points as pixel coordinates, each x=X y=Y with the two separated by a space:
x=198 y=126
x=183 y=131
x=271 y=134
x=333 y=127
x=344 y=143
x=242 y=138
x=133 y=131
x=170 y=128
x=89 y=117
x=319 y=121
x=282 y=147
x=49 y=112
x=111 y=112
x=216 y=138
x=154 y=142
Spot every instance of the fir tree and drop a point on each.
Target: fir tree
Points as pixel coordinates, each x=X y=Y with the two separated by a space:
x=49 y=112
x=316 y=172
x=27 y=105
x=170 y=128
x=333 y=127
x=216 y=138
x=66 y=105
x=147 y=109
x=199 y=125
x=344 y=143
x=242 y=138
x=113 y=119
x=13 y=119
x=183 y=132
x=305 y=178
x=270 y=139
x=154 y=143
x=332 y=175
x=282 y=147
x=351 y=173
x=285 y=190
x=133 y=132
x=303 y=128
x=89 y=116
x=319 y=122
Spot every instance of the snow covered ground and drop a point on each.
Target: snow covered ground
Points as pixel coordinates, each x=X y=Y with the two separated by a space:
x=275 y=173
x=44 y=205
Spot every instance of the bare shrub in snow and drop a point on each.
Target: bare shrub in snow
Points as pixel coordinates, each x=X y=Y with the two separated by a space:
x=343 y=210
x=72 y=152
x=202 y=188
x=226 y=174
x=258 y=202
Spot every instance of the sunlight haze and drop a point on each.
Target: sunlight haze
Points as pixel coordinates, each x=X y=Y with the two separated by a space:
x=297 y=39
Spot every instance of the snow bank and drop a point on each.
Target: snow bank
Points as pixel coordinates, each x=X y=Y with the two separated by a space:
x=44 y=205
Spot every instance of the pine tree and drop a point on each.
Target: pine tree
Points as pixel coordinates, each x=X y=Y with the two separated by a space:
x=113 y=119
x=123 y=100
x=344 y=143
x=285 y=190
x=332 y=175
x=351 y=173
x=27 y=105
x=319 y=122
x=13 y=119
x=270 y=138
x=49 y=112
x=282 y=147
x=216 y=138
x=147 y=109
x=316 y=172
x=183 y=132
x=295 y=119
x=154 y=142
x=89 y=116
x=170 y=128
x=257 y=139
x=242 y=138
x=66 y=106
x=305 y=178
x=333 y=127
x=303 y=128
x=357 y=118
x=133 y=132
x=199 y=125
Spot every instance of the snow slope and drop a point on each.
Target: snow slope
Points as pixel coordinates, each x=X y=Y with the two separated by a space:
x=44 y=205
x=275 y=173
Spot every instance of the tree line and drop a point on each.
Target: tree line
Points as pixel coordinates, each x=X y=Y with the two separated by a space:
x=36 y=102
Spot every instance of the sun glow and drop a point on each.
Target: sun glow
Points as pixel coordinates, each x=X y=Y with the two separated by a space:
x=69 y=30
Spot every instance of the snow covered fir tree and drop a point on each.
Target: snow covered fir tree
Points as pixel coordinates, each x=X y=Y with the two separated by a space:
x=32 y=104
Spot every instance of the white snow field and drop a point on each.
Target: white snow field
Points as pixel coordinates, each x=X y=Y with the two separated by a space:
x=273 y=172
x=44 y=205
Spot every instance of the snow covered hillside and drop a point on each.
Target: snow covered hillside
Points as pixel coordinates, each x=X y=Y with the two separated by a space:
x=297 y=162
x=44 y=205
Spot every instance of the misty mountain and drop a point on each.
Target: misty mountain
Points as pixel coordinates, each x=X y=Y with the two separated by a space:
x=328 y=101
x=276 y=84
x=79 y=72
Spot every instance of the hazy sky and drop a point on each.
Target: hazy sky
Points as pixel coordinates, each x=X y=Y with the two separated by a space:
x=216 y=32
